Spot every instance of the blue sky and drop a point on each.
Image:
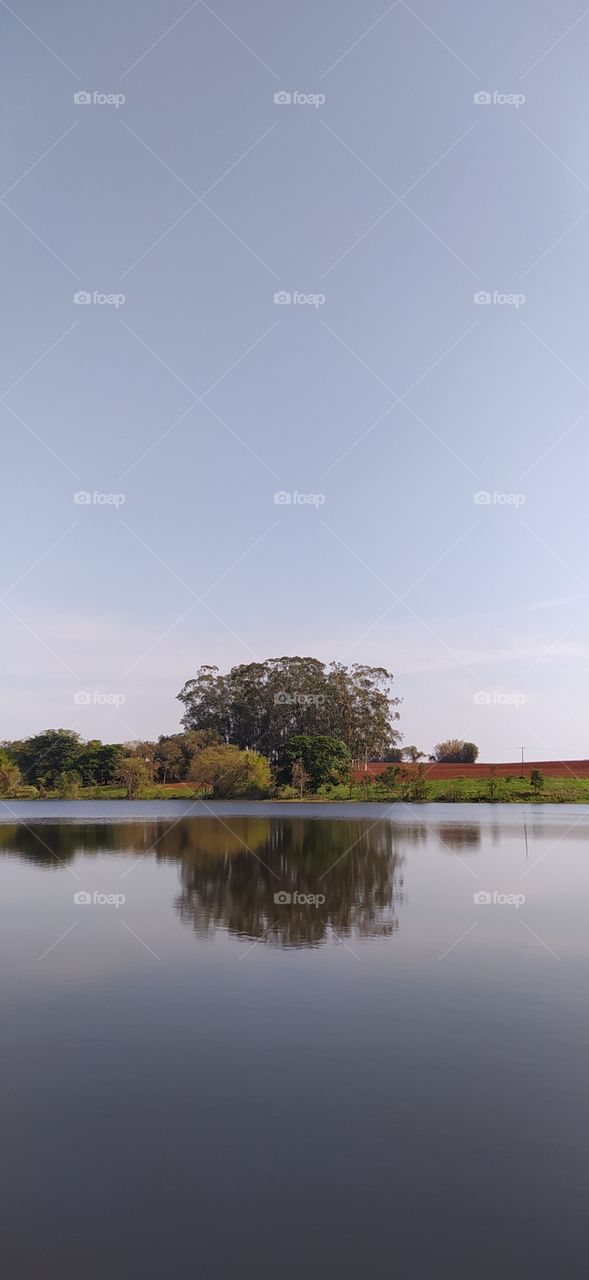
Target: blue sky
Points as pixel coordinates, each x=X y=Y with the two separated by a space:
x=381 y=199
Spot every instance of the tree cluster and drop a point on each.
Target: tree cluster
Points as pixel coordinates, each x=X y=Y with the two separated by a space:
x=259 y=706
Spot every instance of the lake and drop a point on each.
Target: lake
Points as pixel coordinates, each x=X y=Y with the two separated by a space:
x=328 y=1041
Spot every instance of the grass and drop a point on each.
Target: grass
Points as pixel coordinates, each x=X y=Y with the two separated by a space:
x=450 y=791
x=474 y=791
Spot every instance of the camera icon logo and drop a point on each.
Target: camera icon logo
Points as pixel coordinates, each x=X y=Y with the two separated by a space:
x=82 y=698
x=83 y=898
x=482 y=99
x=282 y=99
x=282 y=497
x=483 y=298
x=482 y=498
x=483 y=699
x=82 y=98
x=82 y=298
x=82 y=498
x=482 y=899
x=282 y=298
x=282 y=899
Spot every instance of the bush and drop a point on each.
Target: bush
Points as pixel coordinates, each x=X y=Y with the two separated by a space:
x=230 y=772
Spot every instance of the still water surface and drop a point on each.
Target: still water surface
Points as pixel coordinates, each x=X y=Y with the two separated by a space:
x=289 y=1041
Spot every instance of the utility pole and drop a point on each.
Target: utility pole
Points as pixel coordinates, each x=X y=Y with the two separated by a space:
x=522 y=751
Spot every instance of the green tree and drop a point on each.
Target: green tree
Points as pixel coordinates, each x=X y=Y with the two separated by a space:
x=135 y=774
x=228 y=771
x=324 y=759
x=391 y=777
x=413 y=754
x=68 y=784
x=260 y=705
x=537 y=781
x=416 y=788
x=456 y=751
x=10 y=777
x=99 y=762
x=43 y=757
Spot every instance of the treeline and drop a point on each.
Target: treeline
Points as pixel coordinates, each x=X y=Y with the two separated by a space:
x=291 y=723
x=59 y=760
x=258 y=706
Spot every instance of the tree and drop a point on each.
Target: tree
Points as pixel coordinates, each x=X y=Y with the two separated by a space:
x=145 y=751
x=456 y=751
x=413 y=754
x=10 y=777
x=260 y=705
x=169 y=758
x=230 y=772
x=46 y=755
x=416 y=788
x=99 y=762
x=390 y=778
x=323 y=759
x=537 y=781
x=300 y=777
x=68 y=784
x=135 y=774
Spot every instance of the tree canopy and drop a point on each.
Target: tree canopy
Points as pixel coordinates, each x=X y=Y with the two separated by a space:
x=456 y=751
x=260 y=705
x=323 y=759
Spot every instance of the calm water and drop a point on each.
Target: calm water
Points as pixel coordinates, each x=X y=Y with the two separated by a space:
x=380 y=1076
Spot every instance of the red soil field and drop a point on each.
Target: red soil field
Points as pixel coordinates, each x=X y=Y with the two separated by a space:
x=550 y=769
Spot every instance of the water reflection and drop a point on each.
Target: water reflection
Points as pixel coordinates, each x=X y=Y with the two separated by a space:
x=308 y=881
x=288 y=882
x=337 y=878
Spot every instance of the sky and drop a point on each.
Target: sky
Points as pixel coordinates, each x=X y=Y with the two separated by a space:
x=294 y=358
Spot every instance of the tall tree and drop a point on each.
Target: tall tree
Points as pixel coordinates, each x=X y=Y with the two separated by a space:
x=260 y=705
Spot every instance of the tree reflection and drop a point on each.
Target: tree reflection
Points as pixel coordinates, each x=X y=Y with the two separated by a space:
x=308 y=881
x=337 y=878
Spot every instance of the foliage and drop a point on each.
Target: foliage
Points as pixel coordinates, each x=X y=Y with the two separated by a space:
x=261 y=705
x=416 y=788
x=10 y=778
x=134 y=773
x=68 y=784
x=413 y=754
x=42 y=758
x=323 y=759
x=537 y=781
x=229 y=772
x=456 y=751
x=390 y=778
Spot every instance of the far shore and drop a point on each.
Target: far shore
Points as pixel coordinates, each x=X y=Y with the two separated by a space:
x=418 y=785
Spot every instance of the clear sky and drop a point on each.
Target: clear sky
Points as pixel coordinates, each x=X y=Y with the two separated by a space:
x=382 y=198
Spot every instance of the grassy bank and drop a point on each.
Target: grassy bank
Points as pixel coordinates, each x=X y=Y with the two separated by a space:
x=449 y=791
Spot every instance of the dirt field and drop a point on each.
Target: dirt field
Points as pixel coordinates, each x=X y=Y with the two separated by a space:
x=550 y=769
